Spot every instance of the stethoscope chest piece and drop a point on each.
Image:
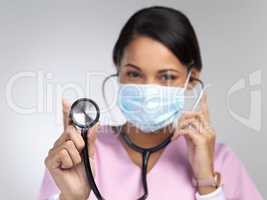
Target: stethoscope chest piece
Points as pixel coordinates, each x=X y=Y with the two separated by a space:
x=84 y=113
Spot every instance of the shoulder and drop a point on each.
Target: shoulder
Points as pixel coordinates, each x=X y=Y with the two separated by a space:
x=236 y=179
x=223 y=153
x=225 y=158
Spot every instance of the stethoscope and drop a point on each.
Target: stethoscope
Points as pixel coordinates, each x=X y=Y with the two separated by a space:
x=84 y=114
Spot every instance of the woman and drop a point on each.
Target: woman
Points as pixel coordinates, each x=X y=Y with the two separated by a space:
x=157 y=50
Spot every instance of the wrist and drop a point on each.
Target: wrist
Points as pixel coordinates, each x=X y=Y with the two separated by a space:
x=204 y=175
x=206 y=189
x=68 y=197
x=208 y=184
x=202 y=171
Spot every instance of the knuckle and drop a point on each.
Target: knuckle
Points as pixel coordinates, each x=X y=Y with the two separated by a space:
x=69 y=144
x=67 y=162
x=81 y=144
x=209 y=137
x=213 y=136
x=199 y=115
x=63 y=154
x=78 y=159
x=50 y=152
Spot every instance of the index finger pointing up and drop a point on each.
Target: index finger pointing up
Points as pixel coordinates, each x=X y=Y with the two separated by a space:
x=66 y=111
x=204 y=105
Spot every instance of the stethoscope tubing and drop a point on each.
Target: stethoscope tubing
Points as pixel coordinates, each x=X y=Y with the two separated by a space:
x=88 y=168
x=146 y=152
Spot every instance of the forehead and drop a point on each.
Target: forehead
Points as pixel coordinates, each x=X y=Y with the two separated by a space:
x=148 y=53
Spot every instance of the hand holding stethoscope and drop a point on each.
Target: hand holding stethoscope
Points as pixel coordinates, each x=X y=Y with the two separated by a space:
x=70 y=156
x=64 y=160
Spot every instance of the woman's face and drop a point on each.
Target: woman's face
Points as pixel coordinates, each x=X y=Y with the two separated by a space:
x=146 y=61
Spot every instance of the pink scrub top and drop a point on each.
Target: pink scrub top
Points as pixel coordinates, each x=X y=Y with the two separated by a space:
x=118 y=178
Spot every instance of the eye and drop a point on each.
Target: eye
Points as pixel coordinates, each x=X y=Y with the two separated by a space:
x=168 y=77
x=133 y=74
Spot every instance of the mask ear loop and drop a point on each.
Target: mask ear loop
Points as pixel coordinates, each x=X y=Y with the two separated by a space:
x=196 y=79
x=200 y=95
x=187 y=79
x=201 y=84
x=174 y=124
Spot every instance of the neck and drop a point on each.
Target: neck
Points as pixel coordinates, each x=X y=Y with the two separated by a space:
x=146 y=140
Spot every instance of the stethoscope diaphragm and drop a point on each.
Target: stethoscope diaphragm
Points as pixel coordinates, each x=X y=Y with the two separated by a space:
x=84 y=113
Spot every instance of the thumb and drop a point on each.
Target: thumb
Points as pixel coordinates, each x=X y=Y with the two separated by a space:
x=66 y=111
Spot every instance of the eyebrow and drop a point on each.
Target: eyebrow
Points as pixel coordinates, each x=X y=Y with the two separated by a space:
x=166 y=70
x=132 y=65
x=160 y=71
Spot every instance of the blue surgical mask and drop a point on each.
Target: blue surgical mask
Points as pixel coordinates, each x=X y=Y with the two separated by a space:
x=151 y=107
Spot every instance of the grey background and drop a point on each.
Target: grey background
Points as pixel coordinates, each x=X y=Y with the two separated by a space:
x=70 y=38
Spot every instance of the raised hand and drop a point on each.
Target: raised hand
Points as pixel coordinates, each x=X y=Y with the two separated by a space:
x=200 y=139
x=64 y=160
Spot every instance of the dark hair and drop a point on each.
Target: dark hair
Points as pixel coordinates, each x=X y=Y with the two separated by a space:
x=166 y=25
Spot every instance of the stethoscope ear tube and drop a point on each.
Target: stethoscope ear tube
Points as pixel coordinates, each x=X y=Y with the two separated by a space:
x=201 y=93
x=87 y=165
